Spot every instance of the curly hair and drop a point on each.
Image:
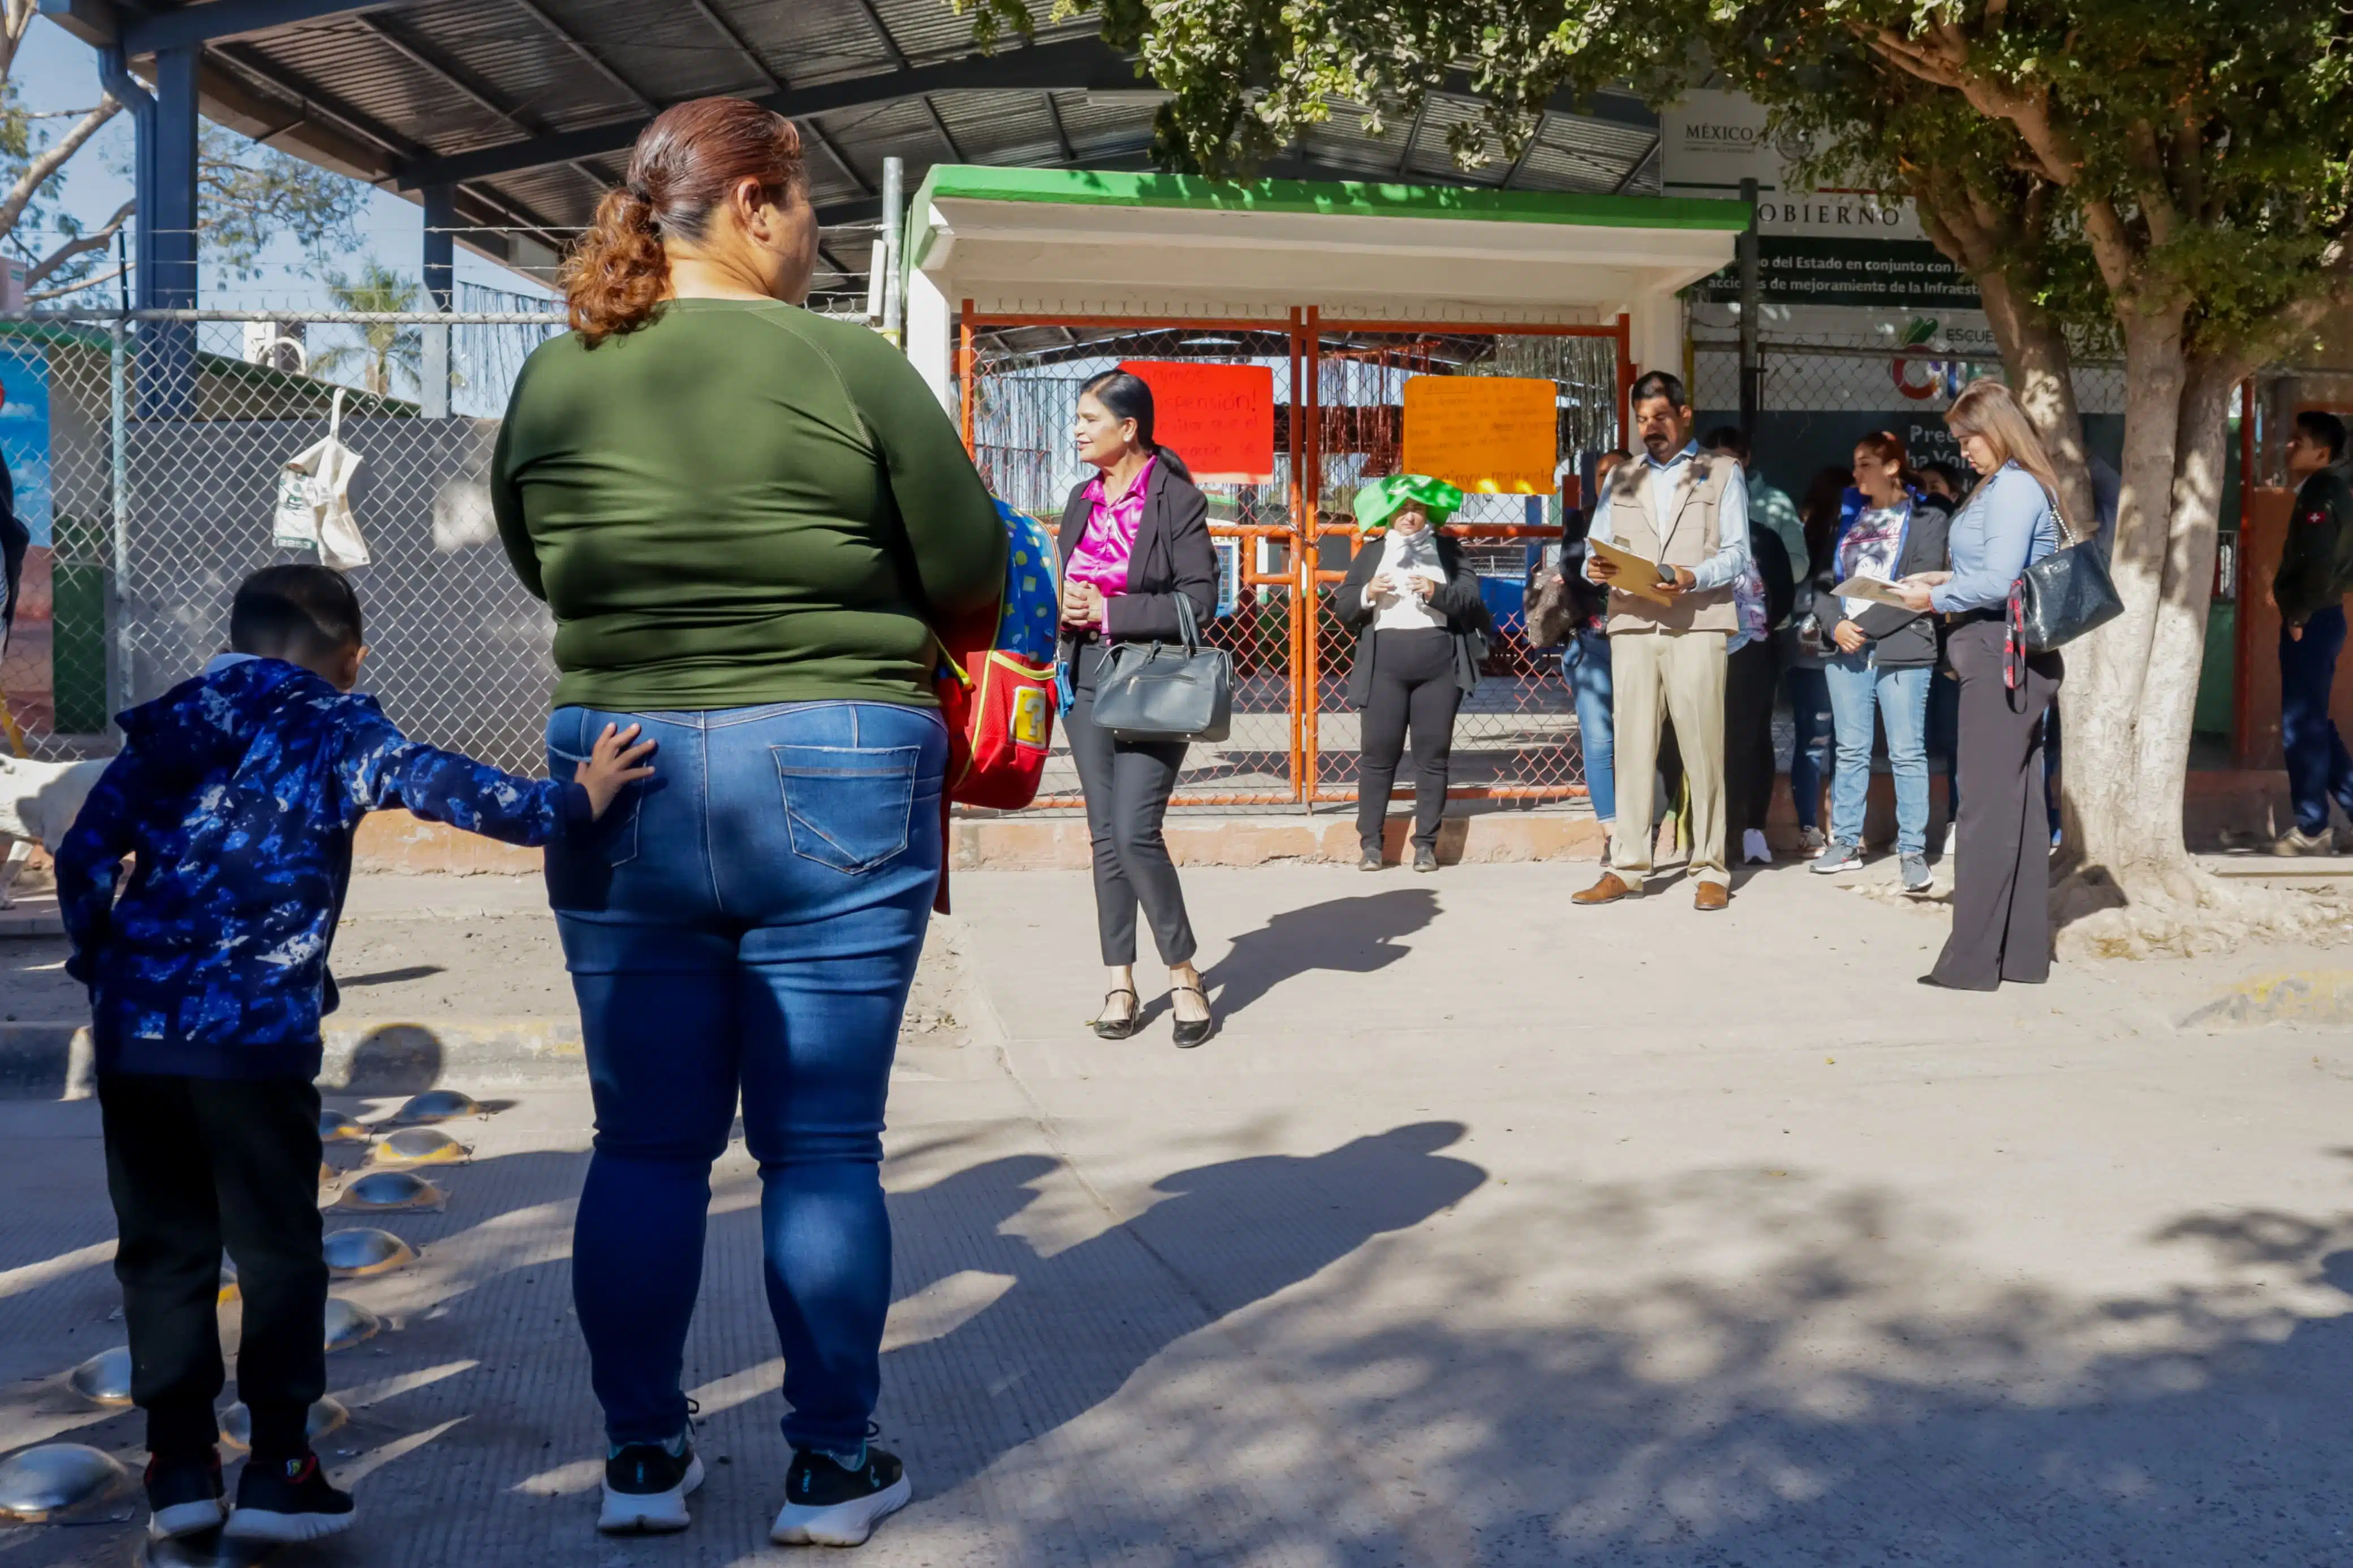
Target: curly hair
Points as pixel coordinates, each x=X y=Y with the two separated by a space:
x=690 y=158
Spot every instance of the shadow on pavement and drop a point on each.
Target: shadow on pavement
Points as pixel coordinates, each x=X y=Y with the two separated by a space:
x=1349 y=936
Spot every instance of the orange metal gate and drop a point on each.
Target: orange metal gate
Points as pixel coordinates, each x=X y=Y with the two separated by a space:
x=1294 y=737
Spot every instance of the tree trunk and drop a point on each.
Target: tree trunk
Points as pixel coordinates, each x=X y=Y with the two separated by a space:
x=2040 y=371
x=2131 y=689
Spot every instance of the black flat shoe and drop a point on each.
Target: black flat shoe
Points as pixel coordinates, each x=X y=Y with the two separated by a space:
x=1115 y=1028
x=1191 y=1034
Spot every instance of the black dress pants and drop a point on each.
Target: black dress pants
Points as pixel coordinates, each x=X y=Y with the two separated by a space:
x=2001 y=860
x=196 y=1166
x=1413 y=688
x=1750 y=674
x=1128 y=786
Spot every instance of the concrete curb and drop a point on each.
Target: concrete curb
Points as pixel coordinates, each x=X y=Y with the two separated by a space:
x=2297 y=996
x=363 y=1057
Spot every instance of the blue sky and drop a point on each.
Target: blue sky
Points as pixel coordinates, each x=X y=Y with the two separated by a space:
x=56 y=70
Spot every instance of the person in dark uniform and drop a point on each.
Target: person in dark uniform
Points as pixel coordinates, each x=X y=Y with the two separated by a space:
x=2309 y=593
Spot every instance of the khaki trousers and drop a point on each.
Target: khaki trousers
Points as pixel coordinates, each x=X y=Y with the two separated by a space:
x=1657 y=676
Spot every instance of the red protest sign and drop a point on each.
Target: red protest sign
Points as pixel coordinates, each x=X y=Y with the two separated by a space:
x=1219 y=417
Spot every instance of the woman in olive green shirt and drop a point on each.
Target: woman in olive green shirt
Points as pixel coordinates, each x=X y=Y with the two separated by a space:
x=745 y=519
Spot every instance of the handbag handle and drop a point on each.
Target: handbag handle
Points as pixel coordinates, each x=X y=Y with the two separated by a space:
x=1187 y=626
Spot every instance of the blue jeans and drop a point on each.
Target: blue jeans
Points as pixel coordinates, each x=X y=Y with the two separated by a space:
x=1859 y=691
x=748 y=920
x=1810 y=718
x=1585 y=665
x=2318 y=768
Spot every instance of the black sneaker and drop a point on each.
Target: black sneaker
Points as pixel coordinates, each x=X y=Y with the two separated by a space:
x=828 y=1504
x=184 y=1495
x=286 y=1501
x=646 y=1486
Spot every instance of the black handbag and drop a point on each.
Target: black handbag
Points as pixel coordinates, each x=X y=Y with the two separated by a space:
x=2063 y=595
x=1156 y=692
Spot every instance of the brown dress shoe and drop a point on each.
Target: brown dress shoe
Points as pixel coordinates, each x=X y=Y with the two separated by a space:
x=1711 y=896
x=1608 y=890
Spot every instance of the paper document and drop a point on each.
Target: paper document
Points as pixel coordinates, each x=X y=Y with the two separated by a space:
x=1643 y=579
x=1878 y=590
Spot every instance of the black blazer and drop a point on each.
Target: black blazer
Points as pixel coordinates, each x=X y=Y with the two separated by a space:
x=1172 y=556
x=1457 y=598
x=1906 y=637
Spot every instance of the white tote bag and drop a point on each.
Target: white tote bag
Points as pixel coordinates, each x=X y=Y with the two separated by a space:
x=315 y=499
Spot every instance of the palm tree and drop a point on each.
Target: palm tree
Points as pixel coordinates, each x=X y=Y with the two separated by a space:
x=384 y=350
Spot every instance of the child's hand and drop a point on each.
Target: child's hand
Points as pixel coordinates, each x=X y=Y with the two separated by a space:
x=612 y=762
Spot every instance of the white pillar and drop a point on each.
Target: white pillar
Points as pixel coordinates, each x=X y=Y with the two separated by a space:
x=1658 y=333
x=930 y=332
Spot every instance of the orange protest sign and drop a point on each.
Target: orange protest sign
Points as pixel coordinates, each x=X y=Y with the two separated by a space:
x=1491 y=433
x=1219 y=417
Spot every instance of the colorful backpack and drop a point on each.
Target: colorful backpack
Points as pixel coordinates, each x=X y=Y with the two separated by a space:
x=997 y=691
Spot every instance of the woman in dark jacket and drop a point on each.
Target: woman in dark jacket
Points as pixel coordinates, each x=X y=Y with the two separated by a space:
x=1134 y=538
x=1881 y=657
x=1419 y=624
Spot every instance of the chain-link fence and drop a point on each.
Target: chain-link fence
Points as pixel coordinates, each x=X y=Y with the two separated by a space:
x=1338 y=414
x=146 y=455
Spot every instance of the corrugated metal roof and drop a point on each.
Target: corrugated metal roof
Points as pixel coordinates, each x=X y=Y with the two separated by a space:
x=458 y=77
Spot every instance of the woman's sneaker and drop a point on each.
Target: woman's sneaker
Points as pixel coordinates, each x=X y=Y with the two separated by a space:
x=646 y=1485
x=828 y=1503
x=184 y=1495
x=1837 y=857
x=286 y=1501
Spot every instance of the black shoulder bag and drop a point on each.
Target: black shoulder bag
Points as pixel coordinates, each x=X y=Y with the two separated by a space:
x=1153 y=691
x=2058 y=599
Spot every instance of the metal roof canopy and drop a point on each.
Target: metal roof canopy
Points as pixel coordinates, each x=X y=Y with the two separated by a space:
x=1081 y=243
x=510 y=117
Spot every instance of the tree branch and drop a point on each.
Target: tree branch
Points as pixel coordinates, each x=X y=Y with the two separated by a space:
x=80 y=245
x=14 y=20
x=50 y=159
x=91 y=282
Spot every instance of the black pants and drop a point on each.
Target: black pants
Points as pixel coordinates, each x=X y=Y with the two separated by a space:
x=1750 y=673
x=1127 y=787
x=2001 y=862
x=1413 y=688
x=195 y=1165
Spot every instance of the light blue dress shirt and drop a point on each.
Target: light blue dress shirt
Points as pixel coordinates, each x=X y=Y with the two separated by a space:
x=2007 y=526
x=1731 y=558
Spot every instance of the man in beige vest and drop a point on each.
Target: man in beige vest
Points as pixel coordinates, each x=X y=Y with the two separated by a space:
x=1689 y=512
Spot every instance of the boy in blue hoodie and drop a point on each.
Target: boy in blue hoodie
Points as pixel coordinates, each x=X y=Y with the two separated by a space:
x=236 y=796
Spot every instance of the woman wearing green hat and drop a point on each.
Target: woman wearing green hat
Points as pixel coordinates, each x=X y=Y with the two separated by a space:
x=1419 y=624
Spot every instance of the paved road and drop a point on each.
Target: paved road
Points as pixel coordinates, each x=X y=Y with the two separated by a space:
x=1487 y=1232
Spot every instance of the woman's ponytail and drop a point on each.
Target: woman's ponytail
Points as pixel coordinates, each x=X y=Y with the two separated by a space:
x=690 y=158
x=617 y=274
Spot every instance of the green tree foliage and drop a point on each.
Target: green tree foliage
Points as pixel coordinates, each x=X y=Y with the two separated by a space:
x=248 y=195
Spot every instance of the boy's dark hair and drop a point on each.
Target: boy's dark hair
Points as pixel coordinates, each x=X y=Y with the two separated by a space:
x=2323 y=427
x=1727 y=438
x=1660 y=384
x=295 y=611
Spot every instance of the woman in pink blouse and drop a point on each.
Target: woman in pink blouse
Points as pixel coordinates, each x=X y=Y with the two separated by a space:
x=1132 y=538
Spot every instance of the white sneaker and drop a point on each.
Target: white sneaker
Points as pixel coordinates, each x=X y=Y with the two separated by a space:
x=1753 y=849
x=645 y=1489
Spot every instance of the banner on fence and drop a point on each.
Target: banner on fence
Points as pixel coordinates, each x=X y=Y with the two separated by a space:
x=1492 y=435
x=1219 y=417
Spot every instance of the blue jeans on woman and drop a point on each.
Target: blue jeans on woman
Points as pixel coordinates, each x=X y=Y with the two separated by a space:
x=1585 y=665
x=1811 y=728
x=1861 y=692
x=748 y=920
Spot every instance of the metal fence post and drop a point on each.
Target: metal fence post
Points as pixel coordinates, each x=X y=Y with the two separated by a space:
x=118 y=643
x=1752 y=374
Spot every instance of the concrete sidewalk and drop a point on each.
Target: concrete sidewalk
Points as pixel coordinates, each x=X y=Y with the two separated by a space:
x=1486 y=1231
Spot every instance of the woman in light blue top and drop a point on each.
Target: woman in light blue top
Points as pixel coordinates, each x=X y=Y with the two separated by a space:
x=2001 y=911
